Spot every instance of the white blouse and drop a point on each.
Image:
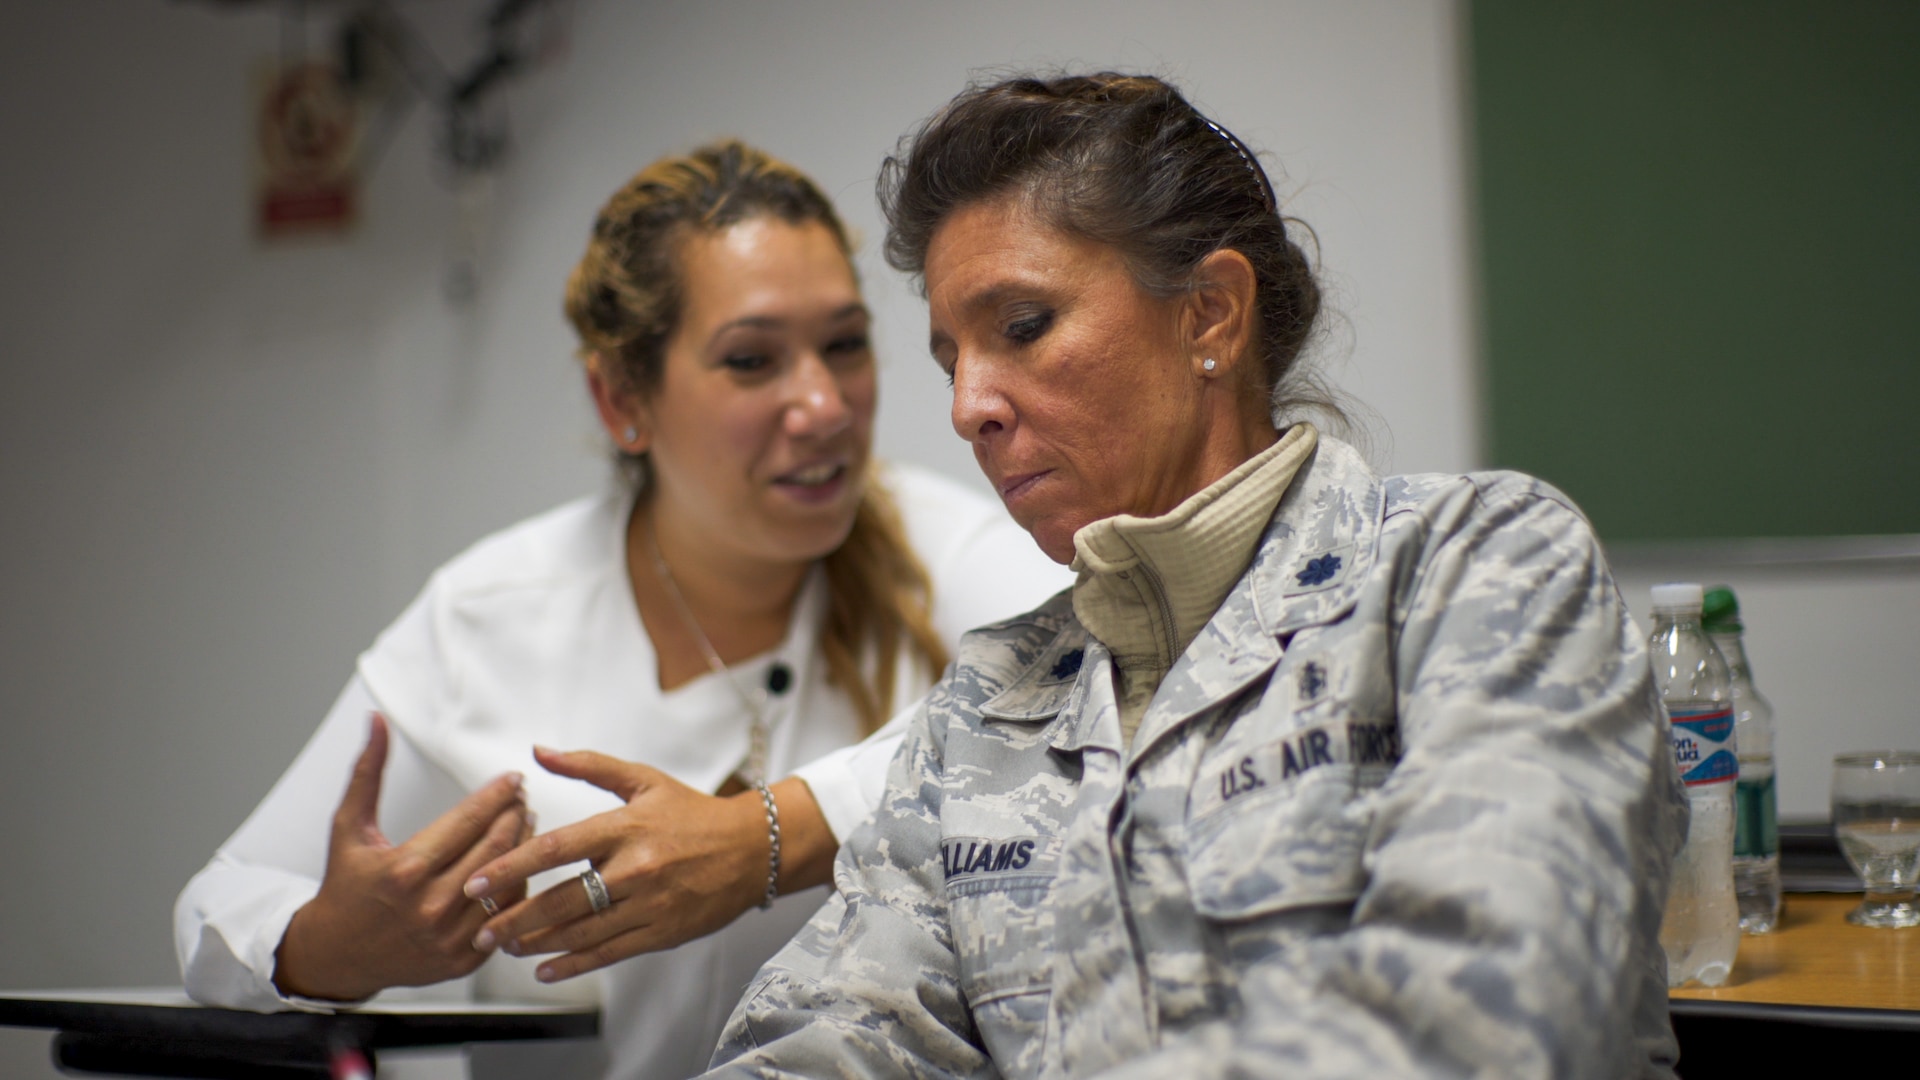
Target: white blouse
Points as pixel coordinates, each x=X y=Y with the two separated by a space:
x=531 y=635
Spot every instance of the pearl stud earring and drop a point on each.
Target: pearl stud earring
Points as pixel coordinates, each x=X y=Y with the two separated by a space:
x=1207 y=363
x=632 y=433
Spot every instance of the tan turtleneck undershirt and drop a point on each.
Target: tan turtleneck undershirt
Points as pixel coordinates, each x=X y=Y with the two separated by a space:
x=1147 y=586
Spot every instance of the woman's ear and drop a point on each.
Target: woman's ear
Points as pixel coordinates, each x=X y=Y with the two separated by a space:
x=621 y=409
x=1221 y=310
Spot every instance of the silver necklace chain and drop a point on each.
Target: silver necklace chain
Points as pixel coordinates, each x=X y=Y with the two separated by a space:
x=755 y=770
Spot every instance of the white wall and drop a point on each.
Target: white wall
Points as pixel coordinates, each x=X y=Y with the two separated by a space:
x=223 y=468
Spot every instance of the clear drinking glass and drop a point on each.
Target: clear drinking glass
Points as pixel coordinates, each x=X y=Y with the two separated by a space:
x=1876 y=817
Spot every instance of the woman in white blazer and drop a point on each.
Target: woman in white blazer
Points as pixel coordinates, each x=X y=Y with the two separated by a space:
x=706 y=647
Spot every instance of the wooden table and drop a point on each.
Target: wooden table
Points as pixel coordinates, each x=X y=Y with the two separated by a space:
x=1815 y=957
x=1817 y=987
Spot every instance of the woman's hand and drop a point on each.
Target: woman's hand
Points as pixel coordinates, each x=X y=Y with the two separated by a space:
x=678 y=864
x=391 y=915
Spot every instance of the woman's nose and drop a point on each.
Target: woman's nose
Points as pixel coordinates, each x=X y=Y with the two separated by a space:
x=817 y=403
x=979 y=409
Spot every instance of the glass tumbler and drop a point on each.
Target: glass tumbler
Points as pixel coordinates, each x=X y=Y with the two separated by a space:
x=1876 y=818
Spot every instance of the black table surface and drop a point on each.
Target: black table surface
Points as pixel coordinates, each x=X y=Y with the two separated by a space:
x=161 y=1032
x=168 y=1012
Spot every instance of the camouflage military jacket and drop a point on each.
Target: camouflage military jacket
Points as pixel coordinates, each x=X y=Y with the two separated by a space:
x=1404 y=807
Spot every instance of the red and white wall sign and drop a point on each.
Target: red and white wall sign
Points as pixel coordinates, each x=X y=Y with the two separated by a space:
x=307 y=130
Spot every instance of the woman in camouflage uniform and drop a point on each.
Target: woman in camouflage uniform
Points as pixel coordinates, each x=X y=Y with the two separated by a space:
x=1313 y=772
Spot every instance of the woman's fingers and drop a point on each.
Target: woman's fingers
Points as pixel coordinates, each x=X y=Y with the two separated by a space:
x=624 y=778
x=636 y=915
x=693 y=864
x=610 y=951
x=358 y=816
x=561 y=903
x=581 y=840
x=505 y=897
x=500 y=838
x=511 y=894
x=451 y=835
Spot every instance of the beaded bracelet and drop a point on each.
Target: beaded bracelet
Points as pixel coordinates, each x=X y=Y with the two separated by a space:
x=773 y=840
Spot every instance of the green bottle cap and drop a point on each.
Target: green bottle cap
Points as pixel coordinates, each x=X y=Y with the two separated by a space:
x=1720 y=612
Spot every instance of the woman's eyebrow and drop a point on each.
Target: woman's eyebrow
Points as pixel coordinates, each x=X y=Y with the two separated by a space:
x=774 y=322
x=747 y=322
x=989 y=297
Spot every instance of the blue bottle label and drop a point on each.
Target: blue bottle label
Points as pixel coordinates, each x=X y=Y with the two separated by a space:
x=1700 y=743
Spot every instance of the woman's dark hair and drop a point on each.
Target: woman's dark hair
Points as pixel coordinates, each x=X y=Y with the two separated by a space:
x=1123 y=160
x=624 y=299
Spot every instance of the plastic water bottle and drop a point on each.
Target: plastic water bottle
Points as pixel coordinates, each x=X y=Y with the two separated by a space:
x=1756 y=829
x=1701 y=930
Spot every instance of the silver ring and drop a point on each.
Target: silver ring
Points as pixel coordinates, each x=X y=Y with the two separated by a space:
x=596 y=890
x=487 y=905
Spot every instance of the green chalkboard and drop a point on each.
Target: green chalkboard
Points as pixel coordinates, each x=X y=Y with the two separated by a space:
x=1700 y=230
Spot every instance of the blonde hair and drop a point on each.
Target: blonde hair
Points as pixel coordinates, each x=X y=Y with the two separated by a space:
x=624 y=301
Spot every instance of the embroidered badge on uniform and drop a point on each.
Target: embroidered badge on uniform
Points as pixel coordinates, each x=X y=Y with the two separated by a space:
x=1319 y=570
x=1069 y=665
x=1313 y=679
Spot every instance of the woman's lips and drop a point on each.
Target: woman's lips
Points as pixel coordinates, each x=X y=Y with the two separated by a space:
x=808 y=475
x=1016 y=487
x=814 y=484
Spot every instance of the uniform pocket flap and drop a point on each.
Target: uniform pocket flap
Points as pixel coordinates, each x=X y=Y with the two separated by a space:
x=1276 y=847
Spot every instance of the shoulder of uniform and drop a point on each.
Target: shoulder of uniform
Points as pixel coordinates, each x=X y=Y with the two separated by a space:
x=992 y=657
x=1496 y=513
x=1488 y=489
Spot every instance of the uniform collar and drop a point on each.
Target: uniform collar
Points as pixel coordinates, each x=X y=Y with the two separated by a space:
x=1312 y=559
x=1147 y=586
x=1321 y=543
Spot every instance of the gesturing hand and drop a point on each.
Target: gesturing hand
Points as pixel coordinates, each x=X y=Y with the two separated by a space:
x=678 y=864
x=390 y=915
